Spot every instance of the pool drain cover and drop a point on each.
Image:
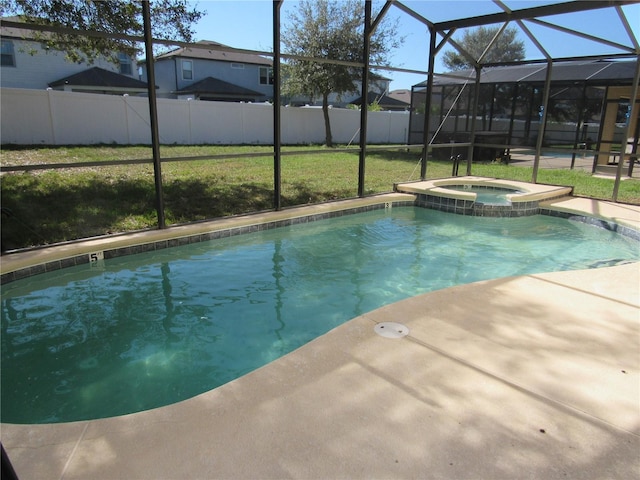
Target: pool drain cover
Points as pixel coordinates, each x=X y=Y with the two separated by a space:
x=391 y=330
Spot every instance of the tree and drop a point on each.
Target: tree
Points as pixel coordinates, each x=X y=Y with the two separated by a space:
x=507 y=48
x=170 y=19
x=332 y=30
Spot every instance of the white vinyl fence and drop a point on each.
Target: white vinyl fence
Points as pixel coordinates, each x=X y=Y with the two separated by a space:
x=49 y=117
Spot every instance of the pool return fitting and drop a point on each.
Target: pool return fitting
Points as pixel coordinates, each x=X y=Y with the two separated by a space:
x=391 y=330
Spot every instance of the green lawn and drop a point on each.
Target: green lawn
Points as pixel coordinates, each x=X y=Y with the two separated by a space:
x=47 y=206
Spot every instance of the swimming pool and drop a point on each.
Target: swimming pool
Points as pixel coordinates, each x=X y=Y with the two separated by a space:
x=155 y=328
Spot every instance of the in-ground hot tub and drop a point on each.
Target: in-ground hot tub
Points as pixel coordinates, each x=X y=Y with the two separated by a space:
x=480 y=196
x=487 y=194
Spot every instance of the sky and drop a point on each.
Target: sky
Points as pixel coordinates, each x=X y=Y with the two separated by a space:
x=247 y=24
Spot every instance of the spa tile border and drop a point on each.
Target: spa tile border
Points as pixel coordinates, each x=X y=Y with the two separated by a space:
x=479 y=209
x=516 y=209
x=84 y=259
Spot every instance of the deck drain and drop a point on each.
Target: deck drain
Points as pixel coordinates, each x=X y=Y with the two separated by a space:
x=391 y=330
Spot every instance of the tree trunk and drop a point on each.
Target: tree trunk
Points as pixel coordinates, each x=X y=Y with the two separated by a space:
x=327 y=123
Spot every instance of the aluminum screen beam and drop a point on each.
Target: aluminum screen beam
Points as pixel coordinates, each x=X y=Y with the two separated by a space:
x=543 y=121
x=277 y=132
x=472 y=139
x=153 y=114
x=427 y=106
x=368 y=31
x=628 y=133
x=528 y=13
x=581 y=35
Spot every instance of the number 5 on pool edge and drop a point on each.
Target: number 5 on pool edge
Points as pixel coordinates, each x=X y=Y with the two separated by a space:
x=96 y=260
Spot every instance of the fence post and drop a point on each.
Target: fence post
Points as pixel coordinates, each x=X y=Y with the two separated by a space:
x=51 y=119
x=189 y=102
x=126 y=117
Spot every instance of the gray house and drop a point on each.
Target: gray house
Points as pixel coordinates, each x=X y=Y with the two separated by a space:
x=27 y=63
x=218 y=73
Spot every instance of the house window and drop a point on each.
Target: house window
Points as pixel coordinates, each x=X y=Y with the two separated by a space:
x=237 y=65
x=187 y=70
x=125 y=64
x=8 y=56
x=266 y=76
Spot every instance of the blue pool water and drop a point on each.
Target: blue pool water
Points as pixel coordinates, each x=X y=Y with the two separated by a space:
x=152 y=329
x=493 y=195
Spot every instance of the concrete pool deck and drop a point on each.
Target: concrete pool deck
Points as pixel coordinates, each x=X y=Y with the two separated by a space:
x=522 y=377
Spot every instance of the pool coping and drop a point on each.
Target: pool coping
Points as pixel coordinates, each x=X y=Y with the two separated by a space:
x=21 y=264
x=530 y=191
x=449 y=399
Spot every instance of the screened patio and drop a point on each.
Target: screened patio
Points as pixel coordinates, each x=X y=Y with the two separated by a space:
x=587 y=114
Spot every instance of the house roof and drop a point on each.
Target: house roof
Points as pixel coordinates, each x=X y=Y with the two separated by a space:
x=213 y=86
x=384 y=101
x=101 y=78
x=228 y=54
x=592 y=71
x=13 y=32
x=404 y=95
